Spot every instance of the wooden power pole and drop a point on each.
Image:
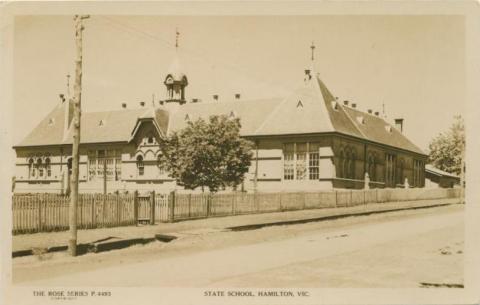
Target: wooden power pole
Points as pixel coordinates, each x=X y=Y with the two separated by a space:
x=77 y=97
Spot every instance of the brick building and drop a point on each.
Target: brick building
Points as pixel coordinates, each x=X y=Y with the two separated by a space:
x=308 y=140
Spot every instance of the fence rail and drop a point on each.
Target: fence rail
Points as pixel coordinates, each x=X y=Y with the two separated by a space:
x=50 y=212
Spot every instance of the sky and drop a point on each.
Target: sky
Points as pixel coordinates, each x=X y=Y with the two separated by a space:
x=414 y=65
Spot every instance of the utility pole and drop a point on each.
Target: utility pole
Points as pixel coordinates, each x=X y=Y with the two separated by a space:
x=77 y=97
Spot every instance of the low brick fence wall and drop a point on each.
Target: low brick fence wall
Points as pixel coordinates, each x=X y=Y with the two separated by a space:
x=50 y=212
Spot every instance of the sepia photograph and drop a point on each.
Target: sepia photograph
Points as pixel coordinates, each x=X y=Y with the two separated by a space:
x=248 y=157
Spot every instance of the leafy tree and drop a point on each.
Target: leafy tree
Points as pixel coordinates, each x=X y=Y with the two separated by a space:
x=447 y=149
x=207 y=154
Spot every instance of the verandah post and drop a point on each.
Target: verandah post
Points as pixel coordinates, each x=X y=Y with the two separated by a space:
x=152 y=208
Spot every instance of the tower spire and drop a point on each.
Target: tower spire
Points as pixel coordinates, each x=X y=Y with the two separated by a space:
x=313 y=50
x=177 y=35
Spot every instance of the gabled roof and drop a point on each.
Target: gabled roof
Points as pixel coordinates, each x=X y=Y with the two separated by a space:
x=46 y=133
x=310 y=109
x=96 y=127
x=252 y=113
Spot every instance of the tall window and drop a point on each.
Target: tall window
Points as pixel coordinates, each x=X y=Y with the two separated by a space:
x=347 y=163
x=140 y=166
x=351 y=167
x=301 y=161
x=31 y=169
x=372 y=167
x=161 y=169
x=48 y=167
x=400 y=176
x=106 y=161
x=313 y=161
x=418 y=169
x=40 y=168
x=390 y=161
x=288 y=161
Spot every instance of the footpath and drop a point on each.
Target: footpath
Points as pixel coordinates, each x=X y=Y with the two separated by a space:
x=119 y=237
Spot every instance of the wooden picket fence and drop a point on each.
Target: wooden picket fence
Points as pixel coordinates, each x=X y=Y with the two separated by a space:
x=50 y=212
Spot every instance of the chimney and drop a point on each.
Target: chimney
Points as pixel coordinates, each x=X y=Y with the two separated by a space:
x=354 y=105
x=370 y=111
x=142 y=104
x=377 y=113
x=345 y=102
x=215 y=97
x=124 y=105
x=399 y=124
x=237 y=96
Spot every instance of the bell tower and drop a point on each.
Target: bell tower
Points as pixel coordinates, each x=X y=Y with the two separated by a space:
x=176 y=80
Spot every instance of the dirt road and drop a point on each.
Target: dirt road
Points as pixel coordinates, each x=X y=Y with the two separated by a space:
x=401 y=249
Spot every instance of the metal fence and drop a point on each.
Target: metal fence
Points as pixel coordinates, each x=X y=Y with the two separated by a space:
x=50 y=212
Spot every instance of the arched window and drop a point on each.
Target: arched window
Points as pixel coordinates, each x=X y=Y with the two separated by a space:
x=140 y=166
x=31 y=169
x=40 y=168
x=341 y=158
x=372 y=167
x=346 y=165
x=352 y=166
x=47 y=167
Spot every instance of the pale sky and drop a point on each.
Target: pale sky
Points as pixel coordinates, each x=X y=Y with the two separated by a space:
x=413 y=64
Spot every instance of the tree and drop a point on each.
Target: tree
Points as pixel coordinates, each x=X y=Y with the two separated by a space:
x=207 y=154
x=447 y=150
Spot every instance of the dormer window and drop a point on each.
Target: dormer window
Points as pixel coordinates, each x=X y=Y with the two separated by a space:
x=361 y=119
x=300 y=104
x=101 y=123
x=232 y=114
x=51 y=121
x=388 y=128
x=187 y=117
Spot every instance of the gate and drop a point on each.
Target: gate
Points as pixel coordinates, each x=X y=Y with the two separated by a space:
x=144 y=209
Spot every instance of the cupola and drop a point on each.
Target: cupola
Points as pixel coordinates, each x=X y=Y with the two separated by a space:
x=176 y=80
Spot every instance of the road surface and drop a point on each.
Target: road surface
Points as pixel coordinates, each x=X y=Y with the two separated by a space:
x=399 y=249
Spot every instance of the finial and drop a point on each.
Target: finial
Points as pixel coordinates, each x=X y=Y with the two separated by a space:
x=177 y=34
x=313 y=49
x=68 y=84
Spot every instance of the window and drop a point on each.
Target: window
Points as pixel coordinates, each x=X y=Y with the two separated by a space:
x=301 y=161
x=390 y=162
x=48 y=167
x=418 y=169
x=288 y=161
x=69 y=165
x=31 y=169
x=40 y=168
x=313 y=162
x=400 y=177
x=140 y=166
x=351 y=166
x=160 y=167
x=346 y=163
x=372 y=167
x=106 y=161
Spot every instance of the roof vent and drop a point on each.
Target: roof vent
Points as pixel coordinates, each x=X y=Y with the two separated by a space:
x=388 y=128
x=194 y=100
x=232 y=114
x=142 y=104
x=354 y=105
x=124 y=105
x=345 y=102
x=370 y=111
x=51 y=121
x=307 y=74
x=101 y=123
x=399 y=124
x=237 y=96
x=62 y=97
x=361 y=119
x=215 y=97
x=187 y=117
x=377 y=113
x=299 y=104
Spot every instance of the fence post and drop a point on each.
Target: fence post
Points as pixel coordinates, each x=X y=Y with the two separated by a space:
x=189 y=205
x=336 y=198
x=209 y=203
x=280 y=201
x=40 y=212
x=152 y=208
x=234 y=197
x=304 y=200
x=94 y=211
x=135 y=207
x=171 y=207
